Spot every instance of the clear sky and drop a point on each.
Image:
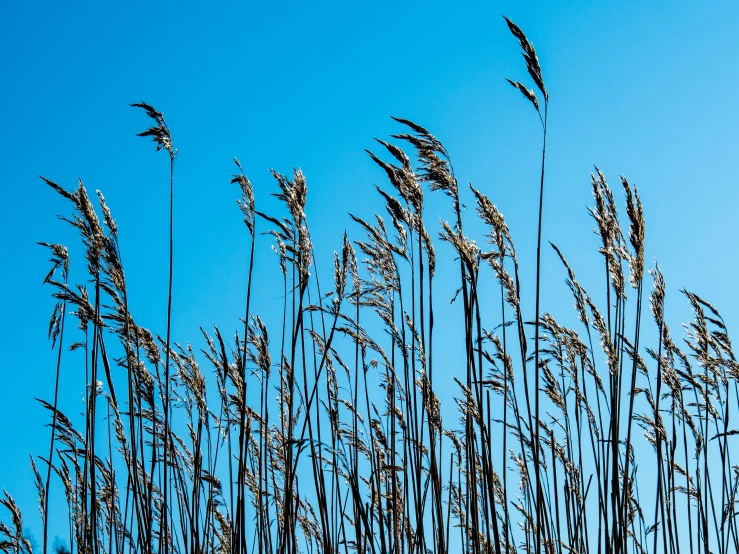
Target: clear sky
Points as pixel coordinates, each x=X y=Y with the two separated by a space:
x=643 y=89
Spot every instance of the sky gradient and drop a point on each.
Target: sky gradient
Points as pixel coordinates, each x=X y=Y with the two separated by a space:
x=643 y=90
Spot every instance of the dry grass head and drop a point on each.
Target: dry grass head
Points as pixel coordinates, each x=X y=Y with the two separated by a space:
x=532 y=60
x=246 y=203
x=159 y=132
x=635 y=211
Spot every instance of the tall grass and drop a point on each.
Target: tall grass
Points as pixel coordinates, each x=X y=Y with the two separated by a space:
x=325 y=432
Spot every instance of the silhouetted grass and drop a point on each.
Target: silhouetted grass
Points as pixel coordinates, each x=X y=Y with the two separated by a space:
x=353 y=454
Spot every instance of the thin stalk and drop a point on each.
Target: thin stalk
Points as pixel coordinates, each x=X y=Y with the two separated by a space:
x=539 y=499
x=53 y=422
x=165 y=499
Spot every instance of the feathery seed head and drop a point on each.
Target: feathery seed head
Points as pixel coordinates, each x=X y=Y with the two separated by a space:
x=529 y=54
x=159 y=132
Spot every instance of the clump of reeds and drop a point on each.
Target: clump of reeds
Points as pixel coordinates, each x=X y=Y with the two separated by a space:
x=324 y=431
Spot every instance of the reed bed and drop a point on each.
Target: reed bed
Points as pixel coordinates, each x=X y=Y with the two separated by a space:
x=325 y=433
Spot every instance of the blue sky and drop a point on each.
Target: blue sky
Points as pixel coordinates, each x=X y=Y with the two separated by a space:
x=647 y=90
